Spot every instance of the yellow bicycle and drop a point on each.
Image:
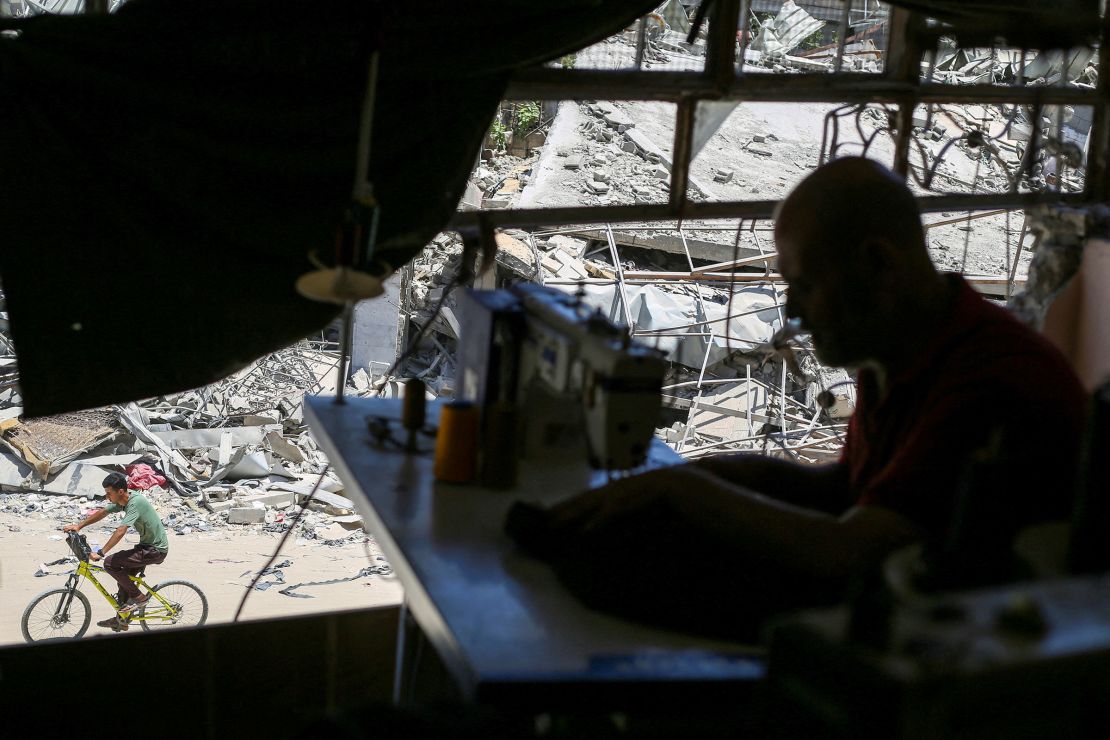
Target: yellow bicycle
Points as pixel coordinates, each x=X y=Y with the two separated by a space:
x=65 y=613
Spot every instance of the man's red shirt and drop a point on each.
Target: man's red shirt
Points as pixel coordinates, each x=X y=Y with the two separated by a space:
x=980 y=371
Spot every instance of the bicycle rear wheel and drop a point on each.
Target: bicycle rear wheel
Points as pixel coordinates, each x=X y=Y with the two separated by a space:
x=188 y=607
x=57 y=614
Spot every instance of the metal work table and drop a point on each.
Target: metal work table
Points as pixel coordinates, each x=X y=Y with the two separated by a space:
x=504 y=627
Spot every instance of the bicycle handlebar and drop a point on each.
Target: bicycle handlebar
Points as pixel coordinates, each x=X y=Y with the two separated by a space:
x=79 y=545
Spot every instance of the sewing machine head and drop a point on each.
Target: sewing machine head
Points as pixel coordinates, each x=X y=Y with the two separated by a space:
x=573 y=358
x=578 y=380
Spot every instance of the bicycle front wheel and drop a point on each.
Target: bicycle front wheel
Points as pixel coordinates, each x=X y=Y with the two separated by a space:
x=57 y=614
x=187 y=607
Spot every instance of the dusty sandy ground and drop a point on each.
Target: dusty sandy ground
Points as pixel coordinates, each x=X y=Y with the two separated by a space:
x=215 y=561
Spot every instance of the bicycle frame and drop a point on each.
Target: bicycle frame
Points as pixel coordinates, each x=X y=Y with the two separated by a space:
x=89 y=571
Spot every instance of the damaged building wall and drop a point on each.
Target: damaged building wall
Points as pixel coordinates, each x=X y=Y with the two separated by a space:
x=374 y=340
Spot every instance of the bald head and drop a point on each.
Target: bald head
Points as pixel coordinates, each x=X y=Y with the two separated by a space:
x=852 y=249
x=849 y=202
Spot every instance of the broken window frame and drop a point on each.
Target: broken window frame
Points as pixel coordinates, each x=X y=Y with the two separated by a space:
x=912 y=42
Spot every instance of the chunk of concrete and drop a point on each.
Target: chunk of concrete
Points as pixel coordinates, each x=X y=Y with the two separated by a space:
x=598 y=188
x=290 y=451
x=723 y=175
x=602 y=109
x=501 y=200
x=569 y=244
x=277 y=499
x=601 y=176
x=645 y=146
x=332 y=499
x=573 y=162
x=246 y=515
x=661 y=173
x=618 y=120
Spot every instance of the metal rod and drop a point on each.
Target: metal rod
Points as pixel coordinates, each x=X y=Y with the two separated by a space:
x=752 y=209
x=620 y=278
x=706 y=322
x=756 y=437
x=702 y=313
x=697 y=399
x=641 y=41
x=1017 y=257
x=683 y=143
x=345 y=342
x=708 y=277
x=1006 y=236
x=676 y=402
x=536 y=257
x=755 y=259
x=961 y=219
x=748 y=393
x=791 y=449
x=779 y=304
x=544 y=83
x=843 y=40
x=362 y=185
x=713 y=381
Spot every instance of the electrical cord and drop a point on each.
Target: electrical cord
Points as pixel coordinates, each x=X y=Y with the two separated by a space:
x=281 y=543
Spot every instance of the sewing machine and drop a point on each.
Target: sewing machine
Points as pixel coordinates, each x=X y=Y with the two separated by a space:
x=572 y=375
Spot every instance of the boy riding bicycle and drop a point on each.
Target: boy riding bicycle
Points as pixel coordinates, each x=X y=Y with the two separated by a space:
x=152 y=548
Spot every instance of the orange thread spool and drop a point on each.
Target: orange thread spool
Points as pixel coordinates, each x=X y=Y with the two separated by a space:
x=456 y=442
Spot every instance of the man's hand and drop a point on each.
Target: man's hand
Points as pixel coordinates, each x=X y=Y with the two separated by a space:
x=71 y=528
x=94 y=556
x=624 y=497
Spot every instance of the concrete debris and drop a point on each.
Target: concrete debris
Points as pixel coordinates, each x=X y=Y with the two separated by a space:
x=229 y=452
x=786 y=31
x=246 y=515
x=1076 y=67
x=598 y=187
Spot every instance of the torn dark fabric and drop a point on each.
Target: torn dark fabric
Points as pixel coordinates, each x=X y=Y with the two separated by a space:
x=1033 y=24
x=168 y=169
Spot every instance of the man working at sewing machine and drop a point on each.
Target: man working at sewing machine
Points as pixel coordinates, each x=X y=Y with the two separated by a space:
x=939 y=371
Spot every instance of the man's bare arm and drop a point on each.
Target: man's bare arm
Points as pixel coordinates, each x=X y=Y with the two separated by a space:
x=804 y=540
x=93 y=518
x=115 y=538
x=820 y=487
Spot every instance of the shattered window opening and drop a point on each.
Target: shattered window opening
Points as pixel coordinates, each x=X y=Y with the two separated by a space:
x=989 y=132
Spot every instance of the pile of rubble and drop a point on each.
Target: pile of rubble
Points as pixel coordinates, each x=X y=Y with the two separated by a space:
x=498 y=180
x=235 y=453
x=725 y=386
x=607 y=135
